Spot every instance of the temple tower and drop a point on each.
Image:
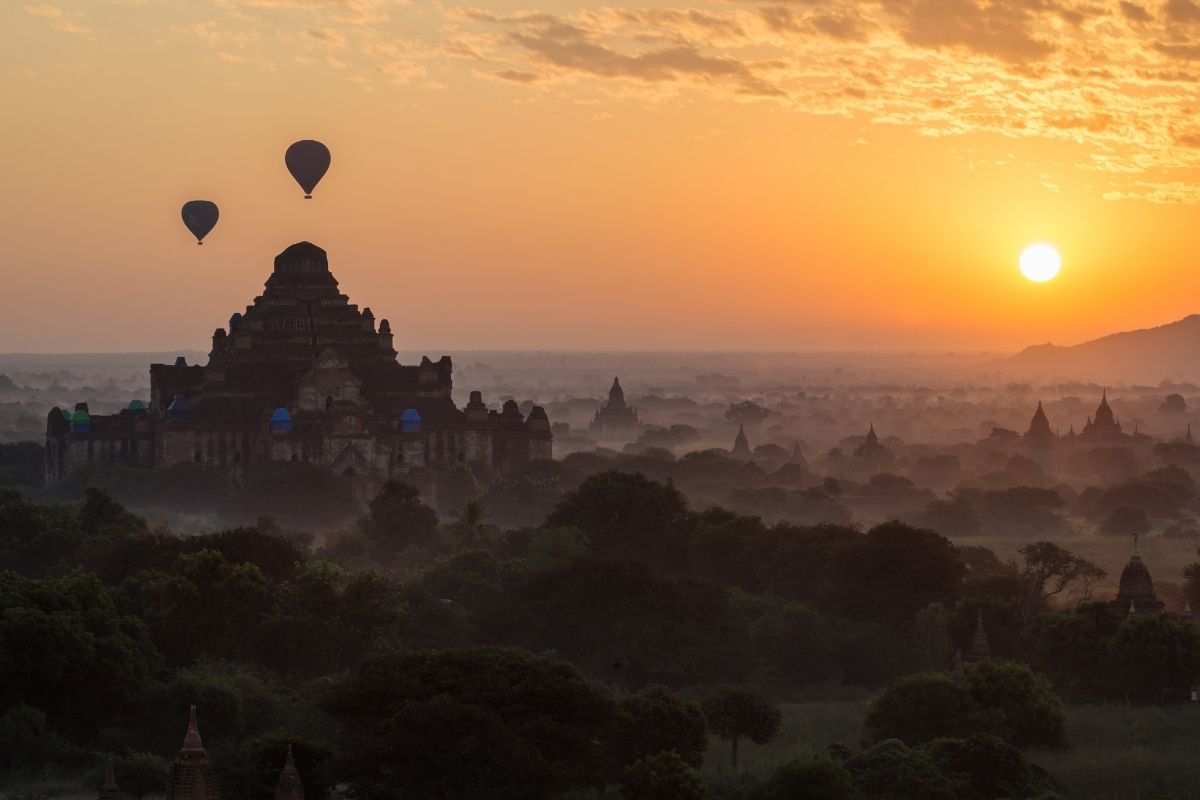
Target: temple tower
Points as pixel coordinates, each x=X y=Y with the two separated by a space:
x=615 y=416
x=192 y=775
x=741 y=444
x=110 y=791
x=289 y=787
x=1135 y=594
x=980 y=650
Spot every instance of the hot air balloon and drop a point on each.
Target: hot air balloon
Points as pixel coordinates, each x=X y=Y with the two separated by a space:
x=200 y=216
x=307 y=160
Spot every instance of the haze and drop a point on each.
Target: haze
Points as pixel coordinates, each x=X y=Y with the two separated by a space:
x=652 y=176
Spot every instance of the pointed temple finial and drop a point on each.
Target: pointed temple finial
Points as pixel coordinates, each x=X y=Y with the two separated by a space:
x=192 y=775
x=980 y=650
x=110 y=790
x=290 y=786
x=191 y=739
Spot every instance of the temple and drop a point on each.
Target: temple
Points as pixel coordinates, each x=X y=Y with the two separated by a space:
x=981 y=649
x=109 y=789
x=302 y=375
x=615 y=416
x=741 y=445
x=289 y=786
x=1039 y=426
x=192 y=775
x=1104 y=425
x=1135 y=593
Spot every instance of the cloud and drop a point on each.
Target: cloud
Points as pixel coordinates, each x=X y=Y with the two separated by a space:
x=1000 y=28
x=69 y=27
x=1182 y=11
x=572 y=49
x=326 y=36
x=1135 y=13
x=516 y=76
x=44 y=11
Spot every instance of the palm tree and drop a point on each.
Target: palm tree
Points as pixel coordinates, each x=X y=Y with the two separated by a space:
x=469 y=526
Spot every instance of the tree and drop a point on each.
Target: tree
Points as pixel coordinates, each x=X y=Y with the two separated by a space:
x=1173 y=404
x=735 y=713
x=549 y=548
x=202 y=605
x=819 y=778
x=141 y=774
x=488 y=722
x=1023 y=511
x=626 y=515
x=1048 y=571
x=953 y=516
x=67 y=651
x=656 y=720
x=746 y=411
x=933 y=636
x=626 y=625
x=1151 y=654
x=920 y=707
x=399 y=519
x=456 y=487
x=469 y=527
x=1001 y=698
x=1072 y=648
x=1016 y=704
x=664 y=776
x=895 y=570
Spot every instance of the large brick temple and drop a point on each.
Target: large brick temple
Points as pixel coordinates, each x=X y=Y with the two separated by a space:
x=302 y=375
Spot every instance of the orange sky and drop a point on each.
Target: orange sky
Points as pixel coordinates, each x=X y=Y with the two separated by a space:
x=647 y=175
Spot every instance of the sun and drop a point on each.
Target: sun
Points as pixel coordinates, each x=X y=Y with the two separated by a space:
x=1040 y=262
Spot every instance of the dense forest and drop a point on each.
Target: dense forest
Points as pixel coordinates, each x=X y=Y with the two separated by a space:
x=597 y=650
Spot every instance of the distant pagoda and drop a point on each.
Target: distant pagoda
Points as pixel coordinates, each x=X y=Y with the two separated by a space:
x=110 y=790
x=981 y=649
x=615 y=416
x=741 y=444
x=1039 y=426
x=289 y=787
x=1104 y=425
x=1135 y=593
x=192 y=775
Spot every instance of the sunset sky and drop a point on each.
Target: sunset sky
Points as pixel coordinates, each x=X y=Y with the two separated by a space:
x=824 y=174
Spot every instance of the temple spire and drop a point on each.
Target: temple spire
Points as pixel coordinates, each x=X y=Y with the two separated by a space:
x=290 y=786
x=741 y=444
x=110 y=790
x=191 y=739
x=980 y=650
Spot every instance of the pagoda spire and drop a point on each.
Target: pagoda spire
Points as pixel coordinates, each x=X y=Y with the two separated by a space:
x=741 y=444
x=290 y=786
x=192 y=775
x=110 y=790
x=980 y=650
x=191 y=739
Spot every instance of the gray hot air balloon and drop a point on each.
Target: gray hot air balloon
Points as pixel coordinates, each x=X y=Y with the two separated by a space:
x=200 y=216
x=307 y=160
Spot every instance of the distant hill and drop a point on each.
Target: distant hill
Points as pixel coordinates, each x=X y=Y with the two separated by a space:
x=1150 y=355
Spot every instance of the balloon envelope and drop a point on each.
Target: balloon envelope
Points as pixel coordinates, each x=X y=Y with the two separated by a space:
x=307 y=160
x=200 y=216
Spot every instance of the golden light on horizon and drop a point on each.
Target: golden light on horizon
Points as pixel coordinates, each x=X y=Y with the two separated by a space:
x=1040 y=262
